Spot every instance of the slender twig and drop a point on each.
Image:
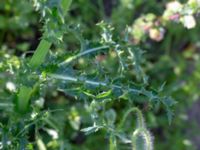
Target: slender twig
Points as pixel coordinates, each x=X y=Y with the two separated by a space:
x=140 y=119
x=68 y=60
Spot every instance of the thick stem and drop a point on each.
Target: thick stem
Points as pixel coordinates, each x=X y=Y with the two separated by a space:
x=23 y=99
x=112 y=143
x=40 y=53
x=44 y=45
x=38 y=58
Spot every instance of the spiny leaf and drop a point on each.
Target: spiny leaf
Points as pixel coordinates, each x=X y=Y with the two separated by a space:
x=92 y=129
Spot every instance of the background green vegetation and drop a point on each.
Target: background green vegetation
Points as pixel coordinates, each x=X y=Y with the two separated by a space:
x=173 y=62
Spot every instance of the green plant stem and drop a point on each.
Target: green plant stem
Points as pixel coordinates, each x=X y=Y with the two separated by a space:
x=140 y=131
x=44 y=45
x=40 y=143
x=140 y=118
x=23 y=98
x=100 y=84
x=90 y=82
x=39 y=56
x=112 y=143
x=37 y=59
x=86 y=52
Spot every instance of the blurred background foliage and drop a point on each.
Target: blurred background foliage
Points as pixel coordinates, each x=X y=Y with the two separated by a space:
x=171 y=45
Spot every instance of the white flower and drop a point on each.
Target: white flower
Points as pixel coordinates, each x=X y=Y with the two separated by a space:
x=34 y=115
x=40 y=102
x=1 y=145
x=174 y=6
x=10 y=86
x=52 y=133
x=8 y=142
x=189 y=21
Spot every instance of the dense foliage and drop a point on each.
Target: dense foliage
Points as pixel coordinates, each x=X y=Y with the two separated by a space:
x=86 y=74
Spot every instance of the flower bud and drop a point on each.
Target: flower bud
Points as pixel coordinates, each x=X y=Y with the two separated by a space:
x=156 y=34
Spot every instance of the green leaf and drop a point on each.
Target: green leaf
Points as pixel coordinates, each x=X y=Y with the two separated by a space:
x=111 y=116
x=168 y=101
x=66 y=4
x=104 y=94
x=170 y=115
x=88 y=94
x=92 y=129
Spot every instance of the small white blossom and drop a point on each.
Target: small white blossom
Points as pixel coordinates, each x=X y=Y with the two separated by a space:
x=40 y=102
x=52 y=133
x=7 y=56
x=10 y=86
x=1 y=145
x=187 y=142
x=189 y=21
x=174 y=6
x=8 y=142
x=33 y=115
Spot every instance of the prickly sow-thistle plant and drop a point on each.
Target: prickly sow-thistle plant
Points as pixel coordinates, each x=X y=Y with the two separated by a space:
x=103 y=73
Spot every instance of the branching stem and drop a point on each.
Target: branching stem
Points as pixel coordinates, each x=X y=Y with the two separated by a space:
x=102 y=84
x=91 y=82
x=37 y=59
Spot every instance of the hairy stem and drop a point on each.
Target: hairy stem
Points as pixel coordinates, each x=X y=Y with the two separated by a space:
x=140 y=118
x=147 y=139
